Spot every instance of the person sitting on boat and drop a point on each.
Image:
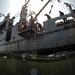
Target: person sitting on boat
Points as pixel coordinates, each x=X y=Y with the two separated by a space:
x=39 y=27
x=61 y=14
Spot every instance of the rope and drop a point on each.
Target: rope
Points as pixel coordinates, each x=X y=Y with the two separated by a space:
x=17 y=14
x=2 y=15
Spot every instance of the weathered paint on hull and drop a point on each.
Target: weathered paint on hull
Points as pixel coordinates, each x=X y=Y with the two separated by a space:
x=54 y=36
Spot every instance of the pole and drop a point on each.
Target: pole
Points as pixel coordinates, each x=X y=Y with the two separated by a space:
x=42 y=9
x=25 y=1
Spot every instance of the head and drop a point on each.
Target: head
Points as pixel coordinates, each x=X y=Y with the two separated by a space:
x=59 y=11
x=45 y=14
x=8 y=15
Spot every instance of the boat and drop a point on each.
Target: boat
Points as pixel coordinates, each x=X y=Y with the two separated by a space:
x=32 y=39
x=35 y=49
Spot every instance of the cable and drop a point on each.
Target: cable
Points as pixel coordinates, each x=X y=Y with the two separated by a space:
x=72 y=5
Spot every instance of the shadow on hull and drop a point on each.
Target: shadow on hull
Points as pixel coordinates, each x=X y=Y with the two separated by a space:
x=56 y=49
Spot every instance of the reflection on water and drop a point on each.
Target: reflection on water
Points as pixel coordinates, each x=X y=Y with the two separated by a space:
x=11 y=66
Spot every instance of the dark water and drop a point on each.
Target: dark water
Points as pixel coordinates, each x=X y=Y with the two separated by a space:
x=18 y=67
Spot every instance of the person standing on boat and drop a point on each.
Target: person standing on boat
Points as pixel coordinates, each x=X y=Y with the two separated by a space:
x=9 y=21
x=9 y=25
x=61 y=14
x=31 y=22
x=7 y=18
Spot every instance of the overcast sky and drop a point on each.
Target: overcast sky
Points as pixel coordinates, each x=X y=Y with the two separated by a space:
x=14 y=6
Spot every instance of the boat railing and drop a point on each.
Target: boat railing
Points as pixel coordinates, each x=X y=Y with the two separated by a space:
x=52 y=24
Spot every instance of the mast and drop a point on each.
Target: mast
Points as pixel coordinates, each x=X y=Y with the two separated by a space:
x=26 y=2
x=24 y=9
